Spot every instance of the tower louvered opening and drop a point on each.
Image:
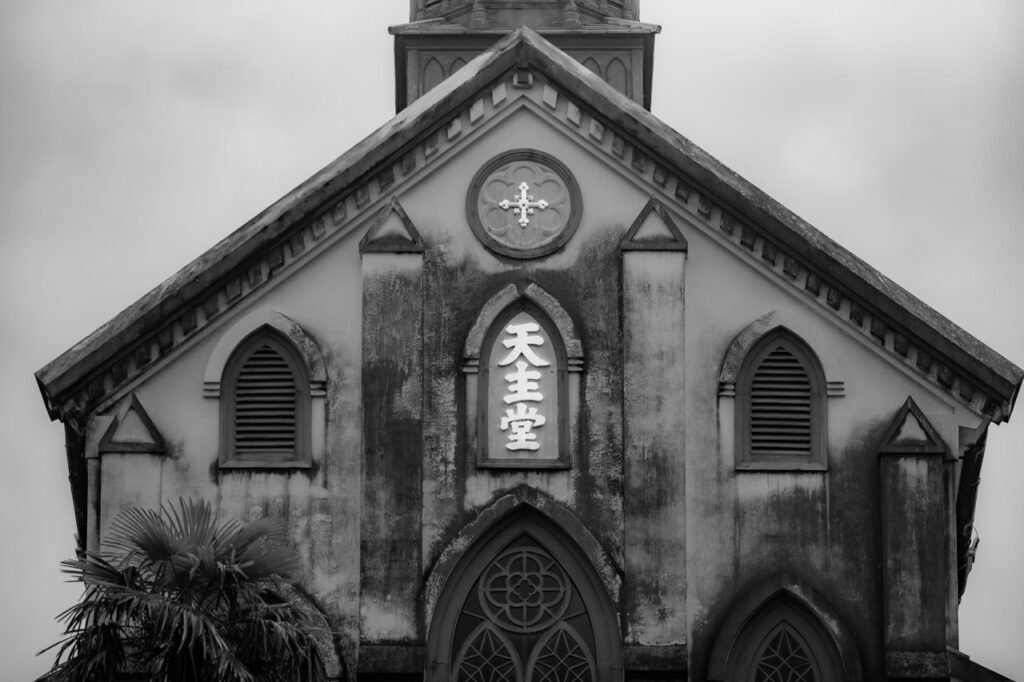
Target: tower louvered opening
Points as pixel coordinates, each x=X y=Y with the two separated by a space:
x=781 y=406
x=265 y=418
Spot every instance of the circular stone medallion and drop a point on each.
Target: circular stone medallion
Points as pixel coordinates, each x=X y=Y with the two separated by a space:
x=523 y=204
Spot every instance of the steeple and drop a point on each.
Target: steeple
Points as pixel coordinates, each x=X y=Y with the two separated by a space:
x=606 y=36
x=515 y=13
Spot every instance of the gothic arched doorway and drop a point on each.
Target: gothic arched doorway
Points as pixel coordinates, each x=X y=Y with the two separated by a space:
x=524 y=605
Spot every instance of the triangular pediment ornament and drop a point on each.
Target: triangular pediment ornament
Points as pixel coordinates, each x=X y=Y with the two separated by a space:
x=910 y=432
x=132 y=430
x=392 y=232
x=653 y=230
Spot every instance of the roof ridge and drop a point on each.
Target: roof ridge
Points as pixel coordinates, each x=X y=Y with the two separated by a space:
x=281 y=233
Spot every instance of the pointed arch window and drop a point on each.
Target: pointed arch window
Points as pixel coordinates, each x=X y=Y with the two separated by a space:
x=265 y=404
x=523 y=601
x=780 y=399
x=784 y=642
x=524 y=620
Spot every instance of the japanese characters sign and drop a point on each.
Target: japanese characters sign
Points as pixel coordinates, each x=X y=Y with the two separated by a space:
x=523 y=392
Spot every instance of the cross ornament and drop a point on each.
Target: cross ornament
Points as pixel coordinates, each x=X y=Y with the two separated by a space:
x=523 y=204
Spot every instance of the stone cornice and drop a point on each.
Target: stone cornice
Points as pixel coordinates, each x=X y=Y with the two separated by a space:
x=412 y=143
x=801 y=275
x=359 y=201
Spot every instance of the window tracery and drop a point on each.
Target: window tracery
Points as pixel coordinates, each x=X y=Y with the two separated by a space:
x=784 y=659
x=524 y=621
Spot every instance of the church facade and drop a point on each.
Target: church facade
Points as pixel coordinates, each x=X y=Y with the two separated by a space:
x=543 y=391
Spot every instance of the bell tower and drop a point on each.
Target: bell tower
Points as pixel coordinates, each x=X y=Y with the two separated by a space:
x=606 y=36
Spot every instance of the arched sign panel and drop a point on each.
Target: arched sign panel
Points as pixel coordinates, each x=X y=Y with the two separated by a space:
x=523 y=404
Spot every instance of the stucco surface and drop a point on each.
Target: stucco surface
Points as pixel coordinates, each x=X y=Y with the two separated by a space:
x=651 y=472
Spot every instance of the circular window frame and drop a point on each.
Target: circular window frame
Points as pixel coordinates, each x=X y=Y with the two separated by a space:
x=538 y=157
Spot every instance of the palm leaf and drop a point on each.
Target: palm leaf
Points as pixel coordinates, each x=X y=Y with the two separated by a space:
x=184 y=596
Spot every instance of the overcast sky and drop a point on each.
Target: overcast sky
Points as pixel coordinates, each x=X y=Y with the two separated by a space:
x=134 y=135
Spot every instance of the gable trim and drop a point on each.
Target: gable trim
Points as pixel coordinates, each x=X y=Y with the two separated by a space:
x=934 y=444
x=973 y=374
x=374 y=242
x=130 y=405
x=674 y=241
x=795 y=251
x=304 y=345
x=757 y=330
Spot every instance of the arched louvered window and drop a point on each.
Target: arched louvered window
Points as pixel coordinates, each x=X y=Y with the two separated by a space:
x=780 y=398
x=265 y=404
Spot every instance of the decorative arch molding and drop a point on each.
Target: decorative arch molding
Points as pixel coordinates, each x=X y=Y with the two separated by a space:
x=540 y=298
x=814 y=369
x=326 y=637
x=520 y=501
x=522 y=523
x=772 y=322
x=617 y=76
x=783 y=586
x=307 y=349
x=433 y=74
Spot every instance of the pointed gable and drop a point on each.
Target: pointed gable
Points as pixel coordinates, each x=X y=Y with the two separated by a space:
x=605 y=376
x=908 y=331
x=132 y=430
x=654 y=230
x=392 y=232
x=910 y=432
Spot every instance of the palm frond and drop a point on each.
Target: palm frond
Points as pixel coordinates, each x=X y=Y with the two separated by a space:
x=183 y=596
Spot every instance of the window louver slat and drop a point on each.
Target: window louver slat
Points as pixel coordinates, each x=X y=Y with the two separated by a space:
x=265 y=404
x=780 y=401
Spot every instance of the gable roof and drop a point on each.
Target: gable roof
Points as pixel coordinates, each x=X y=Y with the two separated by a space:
x=127 y=345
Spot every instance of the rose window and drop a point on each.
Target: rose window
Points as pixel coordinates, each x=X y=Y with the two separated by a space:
x=524 y=590
x=524 y=204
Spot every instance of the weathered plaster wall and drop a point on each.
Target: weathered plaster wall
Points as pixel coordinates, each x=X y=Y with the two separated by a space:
x=320 y=506
x=381 y=504
x=392 y=443
x=654 y=380
x=824 y=527
x=461 y=276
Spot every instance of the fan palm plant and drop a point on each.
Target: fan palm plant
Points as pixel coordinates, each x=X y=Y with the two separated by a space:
x=180 y=596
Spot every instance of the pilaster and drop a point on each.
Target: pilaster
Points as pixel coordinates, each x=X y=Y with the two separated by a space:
x=392 y=386
x=653 y=302
x=915 y=547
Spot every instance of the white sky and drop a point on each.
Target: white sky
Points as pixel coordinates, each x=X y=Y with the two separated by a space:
x=134 y=135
